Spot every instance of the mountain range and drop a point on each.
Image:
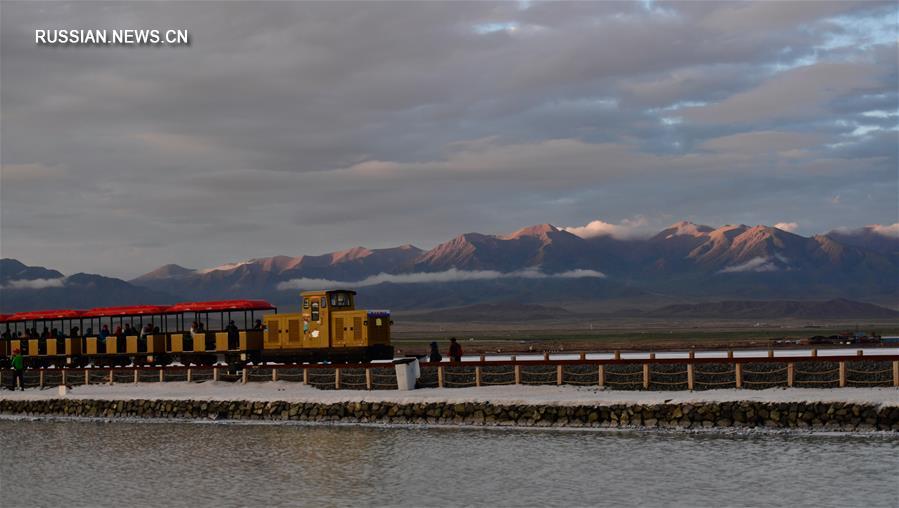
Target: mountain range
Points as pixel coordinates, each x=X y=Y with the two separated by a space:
x=537 y=264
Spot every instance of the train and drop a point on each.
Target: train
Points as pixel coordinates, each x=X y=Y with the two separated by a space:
x=328 y=328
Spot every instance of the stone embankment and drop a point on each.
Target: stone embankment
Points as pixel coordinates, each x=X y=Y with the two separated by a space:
x=842 y=416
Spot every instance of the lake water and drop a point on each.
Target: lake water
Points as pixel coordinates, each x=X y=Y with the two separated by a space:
x=78 y=463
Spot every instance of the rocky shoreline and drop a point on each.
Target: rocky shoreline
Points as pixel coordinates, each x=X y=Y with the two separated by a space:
x=837 y=416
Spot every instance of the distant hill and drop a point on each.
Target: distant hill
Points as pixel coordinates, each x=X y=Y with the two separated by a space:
x=25 y=287
x=829 y=309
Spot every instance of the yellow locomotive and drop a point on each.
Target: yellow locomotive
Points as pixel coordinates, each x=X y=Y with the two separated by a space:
x=327 y=328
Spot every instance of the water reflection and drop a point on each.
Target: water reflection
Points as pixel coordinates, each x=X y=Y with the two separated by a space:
x=183 y=464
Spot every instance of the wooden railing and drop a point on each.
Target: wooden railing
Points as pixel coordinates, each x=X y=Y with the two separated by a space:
x=632 y=373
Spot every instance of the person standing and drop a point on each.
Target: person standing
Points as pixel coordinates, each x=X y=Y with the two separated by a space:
x=18 y=366
x=434 y=356
x=455 y=350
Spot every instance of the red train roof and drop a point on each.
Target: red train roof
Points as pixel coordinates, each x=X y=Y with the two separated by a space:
x=127 y=310
x=38 y=315
x=220 y=306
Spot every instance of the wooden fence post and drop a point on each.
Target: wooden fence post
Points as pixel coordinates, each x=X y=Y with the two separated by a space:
x=337 y=378
x=189 y=375
x=274 y=374
x=896 y=373
x=646 y=376
x=136 y=375
x=546 y=356
x=477 y=376
x=440 y=376
x=41 y=381
x=790 y=374
x=215 y=373
x=518 y=374
x=860 y=353
x=583 y=356
x=842 y=374
x=87 y=377
x=559 y=374
x=814 y=352
x=243 y=375
x=305 y=375
x=770 y=353
x=617 y=355
x=730 y=354
x=601 y=375
x=738 y=375
x=368 y=378
x=110 y=376
x=161 y=375
x=483 y=357
x=63 y=377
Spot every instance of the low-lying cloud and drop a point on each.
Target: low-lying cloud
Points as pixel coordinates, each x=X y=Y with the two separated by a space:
x=628 y=229
x=891 y=230
x=451 y=275
x=34 y=283
x=789 y=227
x=759 y=264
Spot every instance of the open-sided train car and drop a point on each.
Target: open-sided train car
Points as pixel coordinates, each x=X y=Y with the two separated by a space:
x=332 y=330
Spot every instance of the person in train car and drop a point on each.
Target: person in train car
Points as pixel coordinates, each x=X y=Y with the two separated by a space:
x=259 y=325
x=455 y=350
x=434 y=356
x=75 y=332
x=119 y=333
x=233 y=335
x=45 y=334
x=148 y=330
x=200 y=326
x=104 y=333
x=194 y=329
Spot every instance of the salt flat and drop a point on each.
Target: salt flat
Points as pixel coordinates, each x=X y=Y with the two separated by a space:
x=500 y=395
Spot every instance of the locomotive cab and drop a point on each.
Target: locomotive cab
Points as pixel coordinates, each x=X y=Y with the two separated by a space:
x=328 y=322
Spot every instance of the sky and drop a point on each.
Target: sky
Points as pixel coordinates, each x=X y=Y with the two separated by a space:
x=291 y=128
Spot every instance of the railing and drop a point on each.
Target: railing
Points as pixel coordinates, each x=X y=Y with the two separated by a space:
x=619 y=373
x=674 y=373
x=326 y=376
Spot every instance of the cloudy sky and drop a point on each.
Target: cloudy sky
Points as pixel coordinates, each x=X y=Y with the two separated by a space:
x=301 y=128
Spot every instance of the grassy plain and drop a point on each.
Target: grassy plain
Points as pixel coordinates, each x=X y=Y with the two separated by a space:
x=626 y=334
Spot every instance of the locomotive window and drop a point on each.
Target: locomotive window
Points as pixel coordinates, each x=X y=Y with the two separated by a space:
x=340 y=300
x=315 y=313
x=305 y=303
x=378 y=322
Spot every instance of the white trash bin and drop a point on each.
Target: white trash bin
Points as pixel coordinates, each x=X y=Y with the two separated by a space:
x=407 y=372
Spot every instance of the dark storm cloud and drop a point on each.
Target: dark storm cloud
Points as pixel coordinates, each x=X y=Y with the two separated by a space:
x=288 y=128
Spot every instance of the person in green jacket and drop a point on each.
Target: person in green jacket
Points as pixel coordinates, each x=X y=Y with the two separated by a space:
x=18 y=365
